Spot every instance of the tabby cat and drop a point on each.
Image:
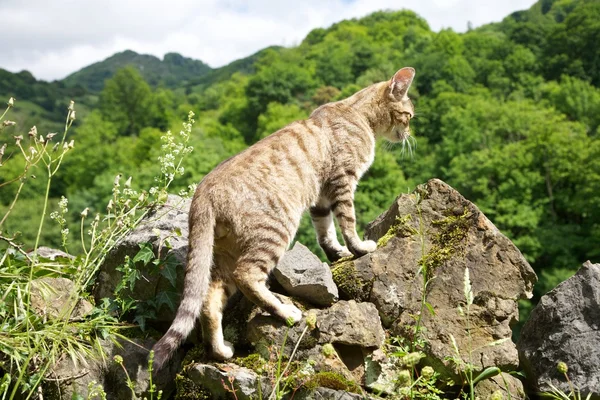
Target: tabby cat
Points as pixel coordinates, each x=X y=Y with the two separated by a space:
x=245 y=213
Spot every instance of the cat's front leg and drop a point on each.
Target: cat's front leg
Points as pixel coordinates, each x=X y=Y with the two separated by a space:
x=322 y=220
x=343 y=208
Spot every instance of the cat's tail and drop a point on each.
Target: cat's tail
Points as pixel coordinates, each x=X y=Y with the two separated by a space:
x=197 y=280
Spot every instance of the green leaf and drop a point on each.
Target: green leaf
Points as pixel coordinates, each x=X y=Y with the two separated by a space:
x=145 y=254
x=430 y=308
x=168 y=298
x=487 y=373
x=141 y=321
x=169 y=270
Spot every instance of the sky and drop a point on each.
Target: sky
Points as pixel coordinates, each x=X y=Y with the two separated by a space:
x=53 y=38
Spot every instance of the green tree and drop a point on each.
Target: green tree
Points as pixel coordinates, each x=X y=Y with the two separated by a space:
x=126 y=101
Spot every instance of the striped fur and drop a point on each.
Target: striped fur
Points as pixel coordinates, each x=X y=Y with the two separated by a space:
x=246 y=211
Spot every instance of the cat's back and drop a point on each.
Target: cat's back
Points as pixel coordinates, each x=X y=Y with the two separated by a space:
x=290 y=161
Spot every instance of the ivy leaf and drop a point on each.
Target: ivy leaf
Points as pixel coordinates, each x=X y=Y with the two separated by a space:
x=140 y=319
x=169 y=270
x=145 y=254
x=168 y=298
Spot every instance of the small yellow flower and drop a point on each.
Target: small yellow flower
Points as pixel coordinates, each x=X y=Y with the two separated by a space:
x=71 y=105
x=311 y=320
x=11 y=102
x=84 y=213
x=497 y=395
x=562 y=367
x=427 y=372
x=328 y=350
x=404 y=377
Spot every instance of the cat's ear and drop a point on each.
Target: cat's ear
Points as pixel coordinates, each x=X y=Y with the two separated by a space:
x=400 y=83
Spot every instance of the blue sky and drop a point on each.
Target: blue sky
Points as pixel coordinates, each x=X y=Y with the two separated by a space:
x=55 y=38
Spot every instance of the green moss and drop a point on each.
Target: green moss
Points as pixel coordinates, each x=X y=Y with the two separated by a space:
x=332 y=380
x=348 y=282
x=196 y=354
x=448 y=241
x=186 y=389
x=254 y=362
x=400 y=227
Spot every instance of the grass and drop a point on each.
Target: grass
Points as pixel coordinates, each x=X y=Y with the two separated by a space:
x=32 y=343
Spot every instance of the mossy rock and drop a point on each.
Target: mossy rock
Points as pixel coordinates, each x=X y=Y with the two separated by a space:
x=350 y=285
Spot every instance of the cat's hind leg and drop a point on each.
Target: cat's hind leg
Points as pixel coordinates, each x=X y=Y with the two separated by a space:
x=251 y=274
x=211 y=319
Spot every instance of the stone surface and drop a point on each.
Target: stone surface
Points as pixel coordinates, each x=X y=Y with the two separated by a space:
x=504 y=383
x=68 y=378
x=52 y=297
x=345 y=323
x=328 y=394
x=351 y=323
x=565 y=326
x=159 y=225
x=353 y=330
x=381 y=372
x=215 y=378
x=303 y=275
x=52 y=254
x=438 y=228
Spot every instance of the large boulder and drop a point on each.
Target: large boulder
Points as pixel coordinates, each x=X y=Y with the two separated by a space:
x=166 y=229
x=427 y=239
x=565 y=327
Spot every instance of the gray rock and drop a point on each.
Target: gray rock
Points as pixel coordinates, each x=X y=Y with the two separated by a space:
x=381 y=372
x=503 y=383
x=565 y=326
x=51 y=297
x=328 y=394
x=159 y=225
x=353 y=329
x=303 y=275
x=438 y=228
x=52 y=254
x=242 y=380
x=351 y=323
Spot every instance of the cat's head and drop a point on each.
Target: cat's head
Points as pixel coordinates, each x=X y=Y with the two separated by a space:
x=397 y=106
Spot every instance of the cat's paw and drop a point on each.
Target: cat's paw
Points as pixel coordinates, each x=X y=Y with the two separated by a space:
x=362 y=248
x=335 y=254
x=223 y=351
x=291 y=314
x=344 y=252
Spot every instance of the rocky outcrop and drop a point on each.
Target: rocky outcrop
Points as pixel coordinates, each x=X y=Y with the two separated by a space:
x=416 y=279
x=411 y=290
x=565 y=327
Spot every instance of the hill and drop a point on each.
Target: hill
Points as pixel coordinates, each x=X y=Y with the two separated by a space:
x=508 y=113
x=172 y=71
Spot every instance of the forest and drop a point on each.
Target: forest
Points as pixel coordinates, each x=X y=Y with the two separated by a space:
x=508 y=114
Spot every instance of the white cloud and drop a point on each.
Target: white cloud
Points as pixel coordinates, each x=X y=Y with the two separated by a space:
x=54 y=38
